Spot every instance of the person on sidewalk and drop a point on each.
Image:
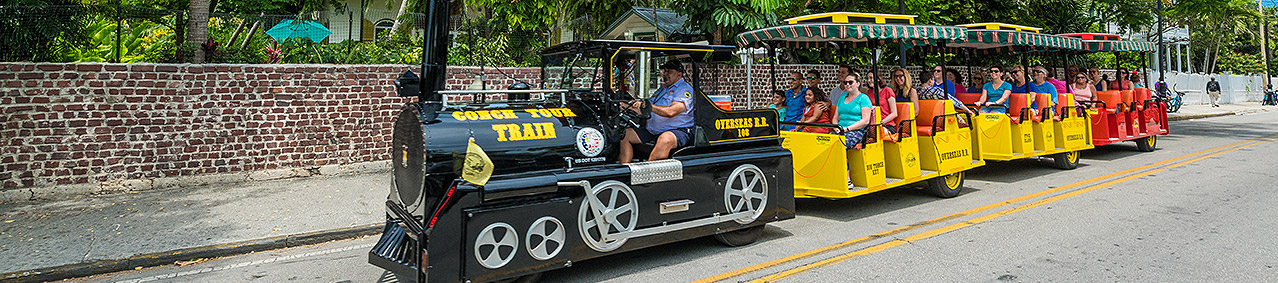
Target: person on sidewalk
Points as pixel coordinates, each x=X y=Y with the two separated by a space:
x=1213 y=90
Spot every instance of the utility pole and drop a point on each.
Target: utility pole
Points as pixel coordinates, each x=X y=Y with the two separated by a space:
x=1264 y=32
x=1162 y=47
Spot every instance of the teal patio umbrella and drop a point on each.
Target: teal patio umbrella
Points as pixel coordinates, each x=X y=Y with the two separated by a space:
x=289 y=29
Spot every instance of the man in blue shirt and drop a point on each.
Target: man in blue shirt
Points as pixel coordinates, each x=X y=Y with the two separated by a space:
x=671 y=123
x=1042 y=86
x=794 y=100
x=938 y=76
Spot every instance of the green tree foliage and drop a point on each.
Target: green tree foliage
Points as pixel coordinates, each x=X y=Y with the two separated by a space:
x=28 y=34
x=723 y=19
x=1217 y=26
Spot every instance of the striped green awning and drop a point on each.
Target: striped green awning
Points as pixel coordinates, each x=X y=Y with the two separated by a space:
x=815 y=35
x=1117 y=46
x=982 y=41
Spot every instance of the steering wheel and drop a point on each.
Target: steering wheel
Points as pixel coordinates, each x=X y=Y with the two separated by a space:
x=629 y=117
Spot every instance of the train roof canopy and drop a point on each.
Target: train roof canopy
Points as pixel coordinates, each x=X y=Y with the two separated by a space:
x=1001 y=37
x=819 y=30
x=1103 y=42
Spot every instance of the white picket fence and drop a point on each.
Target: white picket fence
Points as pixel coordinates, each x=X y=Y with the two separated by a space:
x=1233 y=88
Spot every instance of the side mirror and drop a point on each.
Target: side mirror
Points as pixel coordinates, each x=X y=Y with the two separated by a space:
x=408 y=85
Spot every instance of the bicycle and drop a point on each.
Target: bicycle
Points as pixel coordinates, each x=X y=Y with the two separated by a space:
x=1173 y=97
x=1271 y=98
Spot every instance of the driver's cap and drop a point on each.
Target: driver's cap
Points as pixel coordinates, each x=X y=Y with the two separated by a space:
x=672 y=65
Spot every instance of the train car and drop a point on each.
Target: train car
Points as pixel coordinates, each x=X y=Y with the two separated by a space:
x=1124 y=114
x=930 y=147
x=512 y=183
x=1024 y=132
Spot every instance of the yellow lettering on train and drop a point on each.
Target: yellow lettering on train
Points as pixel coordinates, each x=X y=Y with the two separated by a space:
x=525 y=131
x=484 y=115
x=534 y=112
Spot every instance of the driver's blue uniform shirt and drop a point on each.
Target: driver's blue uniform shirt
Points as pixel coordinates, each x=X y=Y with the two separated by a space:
x=665 y=96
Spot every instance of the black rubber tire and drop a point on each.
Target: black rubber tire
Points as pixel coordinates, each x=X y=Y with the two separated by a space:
x=740 y=237
x=1066 y=160
x=1147 y=144
x=947 y=186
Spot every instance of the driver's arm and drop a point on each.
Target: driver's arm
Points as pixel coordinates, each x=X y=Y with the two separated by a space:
x=675 y=108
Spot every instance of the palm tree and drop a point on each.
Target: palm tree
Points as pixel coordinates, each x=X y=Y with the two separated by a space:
x=197 y=27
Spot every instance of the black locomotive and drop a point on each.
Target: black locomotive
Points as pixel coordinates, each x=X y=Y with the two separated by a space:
x=557 y=193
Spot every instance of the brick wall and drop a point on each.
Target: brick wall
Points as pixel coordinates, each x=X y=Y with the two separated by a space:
x=89 y=123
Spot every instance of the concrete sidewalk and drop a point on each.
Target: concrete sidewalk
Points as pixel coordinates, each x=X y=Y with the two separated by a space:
x=51 y=240
x=86 y=235
x=1198 y=111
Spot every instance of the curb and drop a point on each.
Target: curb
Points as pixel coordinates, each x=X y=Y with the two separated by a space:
x=1198 y=116
x=75 y=270
x=227 y=179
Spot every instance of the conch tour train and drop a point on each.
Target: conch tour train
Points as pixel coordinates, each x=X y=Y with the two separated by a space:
x=625 y=145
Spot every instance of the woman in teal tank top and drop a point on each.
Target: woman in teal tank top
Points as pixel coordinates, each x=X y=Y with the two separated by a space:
x=854 y=110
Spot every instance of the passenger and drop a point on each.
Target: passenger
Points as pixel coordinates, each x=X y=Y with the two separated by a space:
x=671 y=123
x=1070 y=71
x=778 y=103
x=1122 y=80
x=1136 y=79
x=1093 y=77
x=818 y=112
x=995 y=92
x=813 y=79
x=855 y=113
x=1042 y=86
x=977 y=81
x=1083 y=89
x=1051 y=78
x=843 y=71
x=794 y=100
x=953 y=76
x=947 y=85
x=885 y=99
x=1018 y=79
x=903 y=87
x=935 y=92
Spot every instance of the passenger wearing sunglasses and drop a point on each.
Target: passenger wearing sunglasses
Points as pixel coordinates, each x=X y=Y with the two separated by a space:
x=938 y=80
x=995 y=92
x=1017 y=77
x=1122 y=82
x=854 y=112
x=903 y=86
x=1042 y=86
x=1093 y=77
x=794 y=100
x=1083 y=89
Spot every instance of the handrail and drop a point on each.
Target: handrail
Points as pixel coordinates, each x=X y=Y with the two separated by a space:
x=495 y=91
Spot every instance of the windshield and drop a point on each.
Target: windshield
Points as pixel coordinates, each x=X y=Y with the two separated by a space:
x=572 y=72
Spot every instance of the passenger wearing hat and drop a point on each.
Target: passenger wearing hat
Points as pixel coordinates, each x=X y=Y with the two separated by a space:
x=671 y=123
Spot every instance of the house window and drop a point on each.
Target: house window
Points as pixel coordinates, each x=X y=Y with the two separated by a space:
x=382 y=28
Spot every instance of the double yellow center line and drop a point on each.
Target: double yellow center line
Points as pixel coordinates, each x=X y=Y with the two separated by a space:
x=927 y=234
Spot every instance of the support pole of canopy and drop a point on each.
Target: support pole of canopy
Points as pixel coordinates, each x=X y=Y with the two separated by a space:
x=967 y=56
x=1162 y=47
x=874 y=68
x=1068 y=78
x=900 y=9
x=772 y=54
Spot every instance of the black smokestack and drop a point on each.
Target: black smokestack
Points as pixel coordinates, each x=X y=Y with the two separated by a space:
x=434 y=50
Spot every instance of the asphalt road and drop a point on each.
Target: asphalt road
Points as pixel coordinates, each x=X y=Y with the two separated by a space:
x=1200 y=208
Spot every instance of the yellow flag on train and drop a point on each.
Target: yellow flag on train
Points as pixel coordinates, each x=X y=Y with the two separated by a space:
x=477 y=168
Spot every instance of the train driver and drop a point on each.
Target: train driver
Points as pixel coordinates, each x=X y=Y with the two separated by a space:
x=671 y=123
